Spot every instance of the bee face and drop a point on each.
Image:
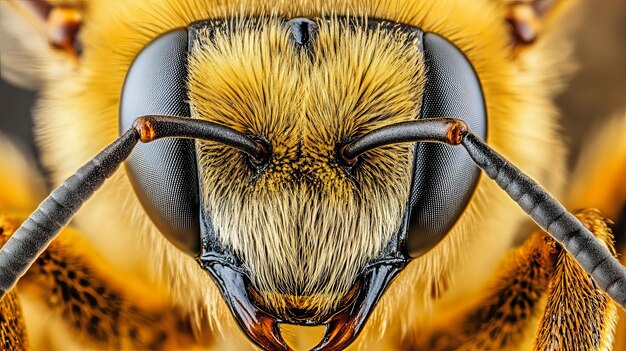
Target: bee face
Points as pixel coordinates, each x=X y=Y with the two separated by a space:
x=304 y=226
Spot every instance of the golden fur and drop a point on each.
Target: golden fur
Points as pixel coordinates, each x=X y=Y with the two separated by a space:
x=80 y=104
x=303 y=227
x=600 y=184
x=12 y=330
x=595 y=330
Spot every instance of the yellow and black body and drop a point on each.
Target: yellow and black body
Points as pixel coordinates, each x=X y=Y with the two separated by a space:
x=274 y=202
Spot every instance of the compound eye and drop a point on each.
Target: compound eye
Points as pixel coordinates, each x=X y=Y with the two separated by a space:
x=164 y=172
x=444 y=177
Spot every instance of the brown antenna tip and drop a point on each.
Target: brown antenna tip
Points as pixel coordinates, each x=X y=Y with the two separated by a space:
x=456 y=132
x=144 y=127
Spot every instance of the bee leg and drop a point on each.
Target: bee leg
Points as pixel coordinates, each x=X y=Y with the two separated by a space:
x=598 y=181
x=578 y=316
x=12 y=330
x=502 y=318
x=97 y=306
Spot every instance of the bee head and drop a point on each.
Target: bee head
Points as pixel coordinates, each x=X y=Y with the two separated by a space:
x=294 y=220
x=301 y=236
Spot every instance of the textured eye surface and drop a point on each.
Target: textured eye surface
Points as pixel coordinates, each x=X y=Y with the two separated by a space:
x=444 y=177
x=163 y=173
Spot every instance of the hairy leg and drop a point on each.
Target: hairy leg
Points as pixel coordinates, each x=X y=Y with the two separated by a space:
x=12 y=330
x=100 y=308
x=506 y=317
x=598 y=182
x=578 y=316
x=503 y=314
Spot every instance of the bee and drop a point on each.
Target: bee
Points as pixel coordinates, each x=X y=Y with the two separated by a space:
x=301 y=174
